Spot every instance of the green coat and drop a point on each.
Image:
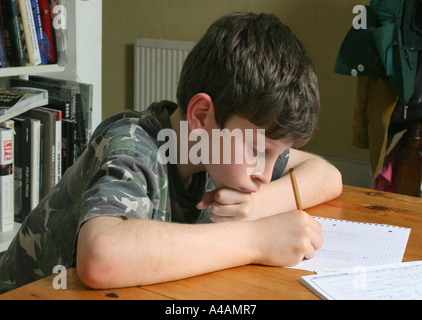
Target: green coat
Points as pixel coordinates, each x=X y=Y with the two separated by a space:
x=382 y=50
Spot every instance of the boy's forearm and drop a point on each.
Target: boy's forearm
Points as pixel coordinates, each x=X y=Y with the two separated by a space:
x=318 y=181
x=140 y=252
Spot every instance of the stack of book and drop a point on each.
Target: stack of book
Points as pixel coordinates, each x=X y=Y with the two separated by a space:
x=31 y=33
x=50 y=119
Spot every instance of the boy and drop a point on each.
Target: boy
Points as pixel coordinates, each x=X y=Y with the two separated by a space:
x=109 y=215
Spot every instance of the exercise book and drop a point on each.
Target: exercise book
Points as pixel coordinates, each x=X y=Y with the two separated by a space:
x=347 y=244
x=402 y=281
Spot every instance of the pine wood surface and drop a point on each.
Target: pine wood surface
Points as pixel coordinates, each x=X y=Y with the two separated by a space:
x=253 y=282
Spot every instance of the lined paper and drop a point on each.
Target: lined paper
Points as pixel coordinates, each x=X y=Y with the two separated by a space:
x=401 y=281
x=348 y=244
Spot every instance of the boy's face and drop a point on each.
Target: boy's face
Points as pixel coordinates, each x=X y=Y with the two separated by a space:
x=246 y=156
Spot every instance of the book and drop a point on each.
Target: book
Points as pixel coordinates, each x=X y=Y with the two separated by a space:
x=15 y=101
x=81 y=107
x=12 y=35
x=75 y=101
x=58 y=142
x=48 y=166
x=351 y=243
x=6 y=180
x=33 y=57
x=11 y=125
x=27 y=159
x=68 y=144
x=42 y=39
x=47 y=27
x=22 y=168
x=63 y=98
x=401 y=281
x=3 y=58
x=35 y=154
x=59 y=21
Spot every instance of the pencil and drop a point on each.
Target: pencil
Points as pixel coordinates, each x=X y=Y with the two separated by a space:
x=295 y=189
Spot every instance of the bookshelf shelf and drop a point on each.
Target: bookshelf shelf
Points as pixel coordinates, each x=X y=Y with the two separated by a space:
x=7 y=237
x=19 y=71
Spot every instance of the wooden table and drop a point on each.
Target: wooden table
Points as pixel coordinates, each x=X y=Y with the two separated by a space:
x=254 y=282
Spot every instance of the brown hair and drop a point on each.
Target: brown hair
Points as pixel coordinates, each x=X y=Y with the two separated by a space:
x=253 y=66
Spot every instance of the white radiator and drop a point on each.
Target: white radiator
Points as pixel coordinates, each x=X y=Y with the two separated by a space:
x=157 y=69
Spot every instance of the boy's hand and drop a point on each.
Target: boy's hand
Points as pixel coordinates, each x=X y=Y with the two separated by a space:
x=282 y=239
x=229 y=204
x=286 y=239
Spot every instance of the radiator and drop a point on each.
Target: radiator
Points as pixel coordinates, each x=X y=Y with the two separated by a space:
x=157 y=69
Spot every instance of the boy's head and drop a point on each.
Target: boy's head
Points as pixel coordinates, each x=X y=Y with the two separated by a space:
x=254 y=67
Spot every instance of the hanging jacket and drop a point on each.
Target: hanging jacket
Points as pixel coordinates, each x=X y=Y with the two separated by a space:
x=378 y=51
x=385 y=58
x=375 y=103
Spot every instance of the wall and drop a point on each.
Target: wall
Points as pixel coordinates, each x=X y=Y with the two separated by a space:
x=321 y=25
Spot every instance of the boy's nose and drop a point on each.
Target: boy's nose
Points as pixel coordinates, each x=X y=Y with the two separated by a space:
x=263 y=177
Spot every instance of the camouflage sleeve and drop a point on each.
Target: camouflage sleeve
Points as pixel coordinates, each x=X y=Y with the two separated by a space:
x=128 y=181
x=125 y=187
x=280 y=165
x=117 y=190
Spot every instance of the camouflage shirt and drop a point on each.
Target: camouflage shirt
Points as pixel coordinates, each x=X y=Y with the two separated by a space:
x=117 y=175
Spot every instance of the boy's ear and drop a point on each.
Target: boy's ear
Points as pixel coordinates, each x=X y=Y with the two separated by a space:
x=200 y=110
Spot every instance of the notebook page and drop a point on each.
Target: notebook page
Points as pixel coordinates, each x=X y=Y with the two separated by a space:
x=348 y=244
x=401 y=281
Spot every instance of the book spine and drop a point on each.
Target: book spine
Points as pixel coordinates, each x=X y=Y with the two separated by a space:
x=80 y=121
x=22 y=168
x=42 y=41
x=17 y=168
x=58 y=9
x=35 y=162
x=68 y=144
x=58 y=143
x=3 y=58
x=58 y=150
x=27 y=53
x=48 y=120
x=26 y=168
x=30 y=33
x=12 y=35
x=6 y=180
x=48 y=30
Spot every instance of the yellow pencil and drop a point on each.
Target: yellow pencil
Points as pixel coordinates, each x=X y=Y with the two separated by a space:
x=295 y=189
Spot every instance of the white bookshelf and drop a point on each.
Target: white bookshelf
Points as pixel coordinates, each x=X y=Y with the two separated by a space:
x=7 y=237
x=23 y=71
x=84 y=32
